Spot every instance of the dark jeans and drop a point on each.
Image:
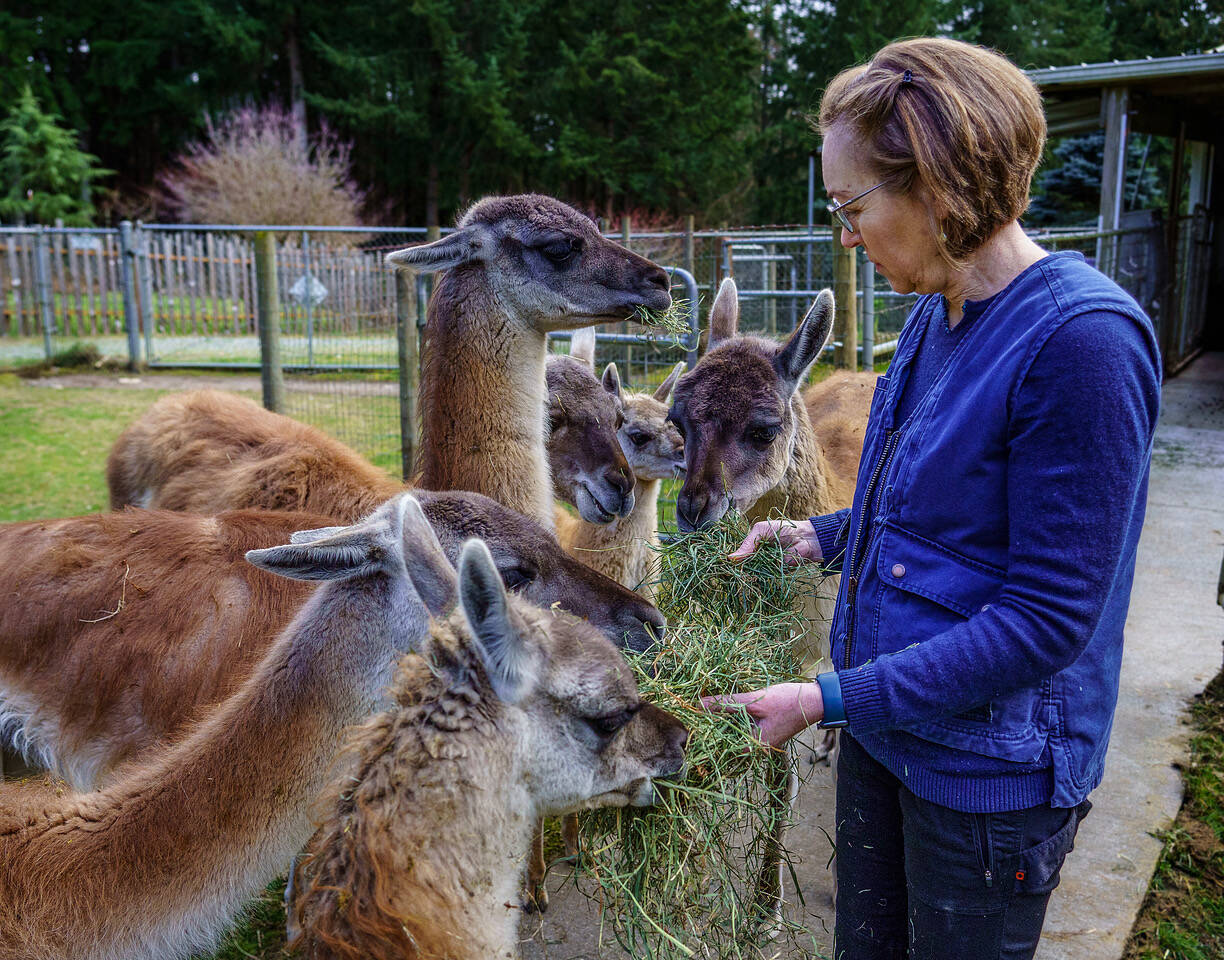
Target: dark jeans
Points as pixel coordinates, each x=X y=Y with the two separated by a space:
x=917 y=881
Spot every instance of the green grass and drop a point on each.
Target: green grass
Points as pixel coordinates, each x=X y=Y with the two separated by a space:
x=54 y=445
x=1183 y=915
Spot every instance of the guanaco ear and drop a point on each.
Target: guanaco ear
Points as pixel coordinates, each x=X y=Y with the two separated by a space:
x=465 y=245
x=310 y=536
x=805 y=344
x=664 y=389
x=511 y=667
x=582 y=346
x=341 y=553
x=611 y=380
x=430 y=571
x=724 y=314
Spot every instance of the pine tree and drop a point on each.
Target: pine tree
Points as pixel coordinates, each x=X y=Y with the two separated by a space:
x=47 y=175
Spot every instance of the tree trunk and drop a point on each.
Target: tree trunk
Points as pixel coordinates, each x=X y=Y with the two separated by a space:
x=297 y=86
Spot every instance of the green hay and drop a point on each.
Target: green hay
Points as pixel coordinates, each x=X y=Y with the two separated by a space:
x=676 y=880
x=672 y=323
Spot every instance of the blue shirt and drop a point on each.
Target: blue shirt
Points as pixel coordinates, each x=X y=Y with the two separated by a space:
x=978 y=632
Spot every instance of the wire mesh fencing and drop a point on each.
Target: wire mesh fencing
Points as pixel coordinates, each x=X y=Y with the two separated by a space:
x=188 y=296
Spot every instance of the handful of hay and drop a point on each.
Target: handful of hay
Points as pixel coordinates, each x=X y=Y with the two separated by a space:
x=677 y=879
x=673 y=322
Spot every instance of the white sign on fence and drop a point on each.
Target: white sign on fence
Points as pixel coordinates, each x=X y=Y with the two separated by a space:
x=306 y=288
x=80 y=241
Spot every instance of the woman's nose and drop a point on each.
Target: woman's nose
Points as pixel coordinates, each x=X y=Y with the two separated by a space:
x=850 y=240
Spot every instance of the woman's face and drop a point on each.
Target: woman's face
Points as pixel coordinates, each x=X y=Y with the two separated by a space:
x=896 y=231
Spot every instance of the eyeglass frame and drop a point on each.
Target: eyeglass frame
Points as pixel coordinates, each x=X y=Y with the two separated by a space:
x=836 y=208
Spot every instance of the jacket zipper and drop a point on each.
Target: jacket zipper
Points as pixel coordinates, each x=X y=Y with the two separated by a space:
x=890 y=441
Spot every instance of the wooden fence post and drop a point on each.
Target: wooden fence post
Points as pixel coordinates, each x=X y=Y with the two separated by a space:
x=46 y=296
x=845 y=321
x=409 y=369
x=689 y=253
x=268 y=319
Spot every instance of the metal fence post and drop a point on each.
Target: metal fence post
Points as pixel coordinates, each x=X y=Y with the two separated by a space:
x=690 y=292
x=868 y=315
x=46 y=296
x=268 y=297
x=845 y=322
x=127 y=256
x=144 y=279
x=626 y=237
x=409 y=370
x=309 y=298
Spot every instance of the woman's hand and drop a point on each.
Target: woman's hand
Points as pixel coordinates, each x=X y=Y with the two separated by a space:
x=780 y=711
x=797 y=537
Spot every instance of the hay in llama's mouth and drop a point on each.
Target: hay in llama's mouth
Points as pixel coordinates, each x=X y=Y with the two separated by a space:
x=672 y=324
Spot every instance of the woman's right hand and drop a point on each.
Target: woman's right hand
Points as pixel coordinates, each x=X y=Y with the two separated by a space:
x=797 y=537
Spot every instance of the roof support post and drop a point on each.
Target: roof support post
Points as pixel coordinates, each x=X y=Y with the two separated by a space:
x=1115 y=103
x=1200 y=175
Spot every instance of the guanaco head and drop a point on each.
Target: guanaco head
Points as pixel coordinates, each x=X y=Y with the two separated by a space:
x=653 y=446
x=533 y=566
x=589 y=470
x=737 y=410
x=546 y=264
x=586 y=738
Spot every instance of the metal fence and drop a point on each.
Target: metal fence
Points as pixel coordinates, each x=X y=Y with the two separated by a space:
x=191 y=293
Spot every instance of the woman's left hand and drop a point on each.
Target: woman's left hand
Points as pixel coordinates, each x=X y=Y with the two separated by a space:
x=780 y=711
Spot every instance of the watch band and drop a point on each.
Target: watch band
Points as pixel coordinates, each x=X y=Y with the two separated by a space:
x=834 y=706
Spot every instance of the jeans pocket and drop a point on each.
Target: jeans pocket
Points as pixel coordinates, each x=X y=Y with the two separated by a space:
x=1037 y=868
x=983 y=842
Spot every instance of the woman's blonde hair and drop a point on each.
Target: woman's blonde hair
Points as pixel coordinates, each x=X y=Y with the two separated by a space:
x=962 y=121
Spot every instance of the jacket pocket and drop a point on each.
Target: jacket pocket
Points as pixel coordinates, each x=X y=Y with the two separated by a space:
x=928 y=589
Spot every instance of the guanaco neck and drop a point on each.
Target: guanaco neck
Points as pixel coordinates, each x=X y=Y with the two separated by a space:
x=483 y=398
x=191 y=833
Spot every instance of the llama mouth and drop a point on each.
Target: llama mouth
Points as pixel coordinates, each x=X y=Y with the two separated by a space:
x=593 y=510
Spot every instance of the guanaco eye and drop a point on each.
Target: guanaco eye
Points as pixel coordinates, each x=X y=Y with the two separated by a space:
x=639 y=438
x=559 y=251
x=762 y=434
x=515 y=578
x=608 y=724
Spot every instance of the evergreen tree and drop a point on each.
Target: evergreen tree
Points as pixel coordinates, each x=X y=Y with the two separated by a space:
x=46 y=174
x=1067 y=190
x=647 y=105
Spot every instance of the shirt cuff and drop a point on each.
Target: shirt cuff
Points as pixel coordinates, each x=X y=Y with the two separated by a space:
x=861 y=700
x=830 y=693
x=832 y=539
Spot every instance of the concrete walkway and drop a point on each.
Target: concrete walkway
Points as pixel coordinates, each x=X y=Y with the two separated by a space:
x=1173 y=648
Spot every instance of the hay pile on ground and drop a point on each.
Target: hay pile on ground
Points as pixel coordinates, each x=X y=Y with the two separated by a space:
x=676 y=880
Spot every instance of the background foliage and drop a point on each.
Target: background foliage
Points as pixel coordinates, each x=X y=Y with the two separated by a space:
x=699 y=106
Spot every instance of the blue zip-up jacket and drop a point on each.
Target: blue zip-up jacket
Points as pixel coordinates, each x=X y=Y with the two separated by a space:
x=978 y=631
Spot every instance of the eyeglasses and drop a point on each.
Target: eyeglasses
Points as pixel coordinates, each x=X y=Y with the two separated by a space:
x=836 y=209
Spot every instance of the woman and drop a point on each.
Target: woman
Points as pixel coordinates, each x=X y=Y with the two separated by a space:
x=986 y=564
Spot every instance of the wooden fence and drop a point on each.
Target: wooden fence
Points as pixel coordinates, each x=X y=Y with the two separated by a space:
x=85 y=281
x=199 y=283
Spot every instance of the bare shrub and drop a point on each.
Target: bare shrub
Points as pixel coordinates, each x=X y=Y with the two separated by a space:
x=251 y=167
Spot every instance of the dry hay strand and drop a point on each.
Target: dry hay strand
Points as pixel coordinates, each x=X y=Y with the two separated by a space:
x=676 y=880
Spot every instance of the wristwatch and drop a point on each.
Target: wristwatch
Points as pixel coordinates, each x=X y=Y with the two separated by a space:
x=834 y=706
